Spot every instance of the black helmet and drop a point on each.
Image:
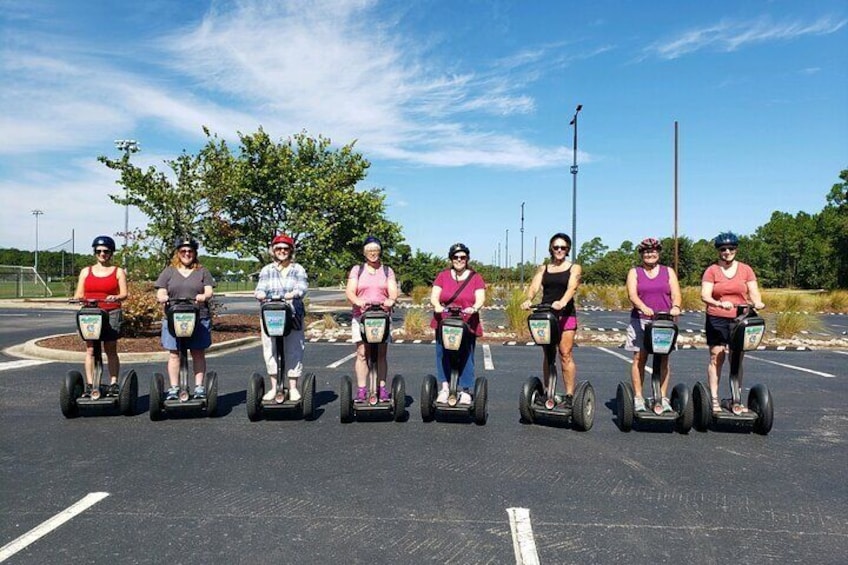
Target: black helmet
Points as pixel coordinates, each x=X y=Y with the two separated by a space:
x=105 y=241
x=185 y=241
x=456 y=248
x=726 y=238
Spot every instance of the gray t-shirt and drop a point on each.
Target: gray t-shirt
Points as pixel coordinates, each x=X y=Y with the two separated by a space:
x=179 y=286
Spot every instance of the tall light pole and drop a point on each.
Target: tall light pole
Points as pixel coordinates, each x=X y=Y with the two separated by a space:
x=128 y=146
x=36 y=213
x=506 y=250
x=522 y=244
x=574 y=188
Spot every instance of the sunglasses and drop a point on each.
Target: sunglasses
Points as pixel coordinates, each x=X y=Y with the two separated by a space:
x=282 y=248
x=723 y=249
x=186 y=251
x=459 y=258
x=559 y=247
x=102 y=251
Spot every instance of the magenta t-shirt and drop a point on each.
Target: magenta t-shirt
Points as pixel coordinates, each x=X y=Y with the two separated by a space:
x=371 y=287
x=449 y=286
x=654 y=292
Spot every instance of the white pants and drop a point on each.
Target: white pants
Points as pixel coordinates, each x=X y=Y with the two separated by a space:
x=294 y=346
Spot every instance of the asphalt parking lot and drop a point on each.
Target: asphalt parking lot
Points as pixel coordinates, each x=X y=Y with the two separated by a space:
x=225 y=490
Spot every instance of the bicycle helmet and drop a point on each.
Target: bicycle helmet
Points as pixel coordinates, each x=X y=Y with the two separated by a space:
x=456 y=248
x=726 y=238
x=649 y=243
x=372 y=239
x=105 y=241
x=283 y=238
x=186 y=241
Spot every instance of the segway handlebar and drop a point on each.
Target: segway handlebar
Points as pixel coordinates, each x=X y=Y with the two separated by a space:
x=86 y=302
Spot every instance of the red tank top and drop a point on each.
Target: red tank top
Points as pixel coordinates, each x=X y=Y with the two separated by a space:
x=98 y=288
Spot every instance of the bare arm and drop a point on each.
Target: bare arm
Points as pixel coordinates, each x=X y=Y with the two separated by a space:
x=534 y=287
x=676 y=295
x=79 y=294
x=435 y=294
x=754 y=294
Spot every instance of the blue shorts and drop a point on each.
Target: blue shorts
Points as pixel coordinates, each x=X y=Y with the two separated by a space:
x=200 y=339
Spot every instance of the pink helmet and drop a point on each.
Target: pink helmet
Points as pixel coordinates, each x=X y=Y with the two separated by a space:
x=649 y=243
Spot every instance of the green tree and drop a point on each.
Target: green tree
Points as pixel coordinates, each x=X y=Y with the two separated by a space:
x=591 y=251
x=833 y=225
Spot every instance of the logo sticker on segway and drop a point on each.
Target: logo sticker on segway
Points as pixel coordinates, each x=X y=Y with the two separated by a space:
x=451 y=337
x=275 y=322
x=753 y=336
x=375 y=329
x=662 y=340
x=541 y=331
x=184 y=323
x=90 y=326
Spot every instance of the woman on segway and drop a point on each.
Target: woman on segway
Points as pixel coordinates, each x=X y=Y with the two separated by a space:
x=558 y=281
x=186 y=278
x=651 y=288
x=725 y=285
x=370 y=283
x=462 y=287
x=108 y=285
x=283 y=277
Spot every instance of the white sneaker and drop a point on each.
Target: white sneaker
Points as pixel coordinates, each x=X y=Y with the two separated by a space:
x=443 y=396
x=638 y=404
x=464 y=398
x=294 y=395
x=270 y=394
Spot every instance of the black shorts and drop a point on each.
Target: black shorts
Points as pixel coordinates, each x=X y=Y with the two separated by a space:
x=718 y=330
x=112 y=330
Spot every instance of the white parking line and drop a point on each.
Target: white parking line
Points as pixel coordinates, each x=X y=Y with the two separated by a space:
x=22 y=363
x=624 y=357
x=341 y=361
x=819 y=373
x=522 y=536
x=488 y=364
x=842 y=352
x=48 y=526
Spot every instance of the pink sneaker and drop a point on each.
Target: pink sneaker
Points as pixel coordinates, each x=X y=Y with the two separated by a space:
x=361 y=394
x=384 y=394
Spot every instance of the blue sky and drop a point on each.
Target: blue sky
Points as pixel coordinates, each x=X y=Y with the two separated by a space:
x=463 y=108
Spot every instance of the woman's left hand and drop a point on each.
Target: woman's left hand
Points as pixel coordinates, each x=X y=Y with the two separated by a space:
x=759 y=305
x=470 y=310
x=201 y=298
x=556 y=305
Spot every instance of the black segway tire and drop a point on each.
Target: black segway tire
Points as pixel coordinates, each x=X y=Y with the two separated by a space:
x=481 y=400
x=681 y=402
x=624 y=406
x=702 y=407
x=211 y=383
x=255 y=392
x=428 y=398
x=307 y=394
x=760 y=401
x=399 y=398
x=128 y=395
x=72 y=388
x=346 y=400
x=529 y=393
x=583 y=412
x=156 y=395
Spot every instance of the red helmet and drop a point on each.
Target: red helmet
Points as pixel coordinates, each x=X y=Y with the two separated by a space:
x=649 y=243
x=283 y=238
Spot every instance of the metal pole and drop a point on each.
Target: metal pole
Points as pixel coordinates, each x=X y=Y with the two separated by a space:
x=506 y=250
x=522 y=244
x=676 y=242
x=128 y=146
x=574 y=189
x=36 y=213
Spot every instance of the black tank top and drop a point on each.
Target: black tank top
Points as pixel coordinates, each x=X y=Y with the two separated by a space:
x=554 y=286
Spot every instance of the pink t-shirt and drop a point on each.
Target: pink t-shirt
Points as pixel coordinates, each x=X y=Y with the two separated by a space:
x=371 y=287
x=449 y=286
x=733 y=289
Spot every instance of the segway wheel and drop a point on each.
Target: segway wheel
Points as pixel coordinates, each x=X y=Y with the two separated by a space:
x=531 y=390
x=583 y=413
x=481 y=393
x=760 y=401
x=681 y=402
x=72 y=388
x=702 y=407
x=624 y=406
x=346 y=401
x=157 y=391
x=428 y=398
x=399 y=398
x=211 y=383
x=128 y=395
x=255 y=392
x=307 y=393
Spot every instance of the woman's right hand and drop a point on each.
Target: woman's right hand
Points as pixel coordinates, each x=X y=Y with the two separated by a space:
x=438 y=308
x=526 y=305
x=725 y=304
x=260 y=295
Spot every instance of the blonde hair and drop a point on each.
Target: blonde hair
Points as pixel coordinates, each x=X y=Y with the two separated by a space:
x=176 y=263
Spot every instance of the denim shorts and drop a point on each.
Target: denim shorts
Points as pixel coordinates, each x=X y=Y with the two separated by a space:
x=200 y=339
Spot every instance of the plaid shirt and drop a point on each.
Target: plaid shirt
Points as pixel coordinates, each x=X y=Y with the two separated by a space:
x=272 y=281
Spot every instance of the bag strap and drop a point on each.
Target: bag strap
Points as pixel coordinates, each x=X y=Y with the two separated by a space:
x=361 y=267
x=461 y=287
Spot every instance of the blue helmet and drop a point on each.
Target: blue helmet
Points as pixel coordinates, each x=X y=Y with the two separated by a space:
x=372 y=239
x=726 y=238
x=105 y=241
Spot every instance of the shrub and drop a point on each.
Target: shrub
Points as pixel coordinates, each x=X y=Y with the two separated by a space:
x=690 y=298
x=420 y=294
x=789 y=324
x=140 y=309
x=329 y=323
x=516 y=318
x=407 y=287
x=416 y=323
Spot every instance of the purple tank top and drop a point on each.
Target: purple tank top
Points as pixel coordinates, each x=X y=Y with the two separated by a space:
x=655 y=292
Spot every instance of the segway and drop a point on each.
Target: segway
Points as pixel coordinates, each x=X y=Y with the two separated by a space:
x=540 y=402
x=374 y=324
x=452 y=332
x=660 y=338
x=72 y=397
x=746 y=333
x=183 y=316
x=277 y=319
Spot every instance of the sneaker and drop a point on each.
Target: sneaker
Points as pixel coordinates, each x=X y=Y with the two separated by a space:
x=568 y=401
x=666 y=405
x=442 y=398
x=361 y=394
x=270 y=394
x=113 y=390
x=464 y=398
x=173 y=393
x=294 y=395
x=638 y=404
x=383 y=394
x=200 y=391
x=86 y=393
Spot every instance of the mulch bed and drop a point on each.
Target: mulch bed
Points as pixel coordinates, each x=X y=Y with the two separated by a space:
x=226 y=327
